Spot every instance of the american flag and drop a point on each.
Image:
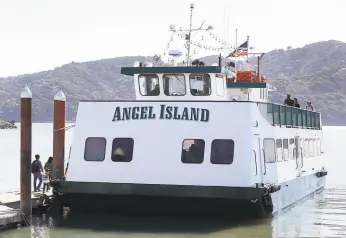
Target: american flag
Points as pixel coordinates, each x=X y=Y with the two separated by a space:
x=242 y=50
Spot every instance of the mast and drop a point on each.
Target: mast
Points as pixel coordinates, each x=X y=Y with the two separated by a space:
x=189 y=36
x=236 y=54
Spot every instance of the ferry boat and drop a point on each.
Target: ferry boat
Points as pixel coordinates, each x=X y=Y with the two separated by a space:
x=193 y=140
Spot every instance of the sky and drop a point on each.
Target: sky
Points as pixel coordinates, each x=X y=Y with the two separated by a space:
x=39 y=35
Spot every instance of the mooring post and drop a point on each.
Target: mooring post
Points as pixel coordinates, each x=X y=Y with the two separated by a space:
x=25 y=152
x=59 y=135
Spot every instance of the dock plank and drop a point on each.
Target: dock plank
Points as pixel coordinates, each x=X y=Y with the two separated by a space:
x=9 y=216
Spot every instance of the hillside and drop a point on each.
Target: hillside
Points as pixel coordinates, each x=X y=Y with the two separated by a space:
x=315 y=72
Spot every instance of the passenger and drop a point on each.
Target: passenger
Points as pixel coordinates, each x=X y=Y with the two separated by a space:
x=36 y=169
x=296 y=104
x=309 y=106
x=155 y=91
x=289 y=101
x=49 y=166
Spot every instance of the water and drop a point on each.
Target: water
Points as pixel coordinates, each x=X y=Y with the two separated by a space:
x=322 y=215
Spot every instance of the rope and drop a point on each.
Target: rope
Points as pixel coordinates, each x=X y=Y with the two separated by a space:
x=65 y=128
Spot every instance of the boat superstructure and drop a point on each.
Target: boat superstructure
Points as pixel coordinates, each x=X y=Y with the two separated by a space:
x=194 y=138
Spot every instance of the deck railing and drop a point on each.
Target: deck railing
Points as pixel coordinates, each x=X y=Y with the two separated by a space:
x=280 y=115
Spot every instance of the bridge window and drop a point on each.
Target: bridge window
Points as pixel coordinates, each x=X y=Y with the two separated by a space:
x=122 y=150
x=149 y=85
x=193 y=151
x=200 y=84
x=269 y=150
x=220 y=85
x=222 y=151
x=174 y=84
x=95 y=149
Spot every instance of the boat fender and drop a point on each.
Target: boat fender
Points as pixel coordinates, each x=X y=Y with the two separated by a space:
x=321 y=174
x=274 y=188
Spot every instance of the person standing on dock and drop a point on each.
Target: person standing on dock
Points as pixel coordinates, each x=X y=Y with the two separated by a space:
x=48 y=168
x=37 y=169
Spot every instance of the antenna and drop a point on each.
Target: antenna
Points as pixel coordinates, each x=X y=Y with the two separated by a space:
x=192 y=6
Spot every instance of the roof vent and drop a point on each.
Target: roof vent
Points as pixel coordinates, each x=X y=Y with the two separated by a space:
x=136 y=64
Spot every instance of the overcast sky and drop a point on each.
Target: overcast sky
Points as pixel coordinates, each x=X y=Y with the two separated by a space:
x=39 y=35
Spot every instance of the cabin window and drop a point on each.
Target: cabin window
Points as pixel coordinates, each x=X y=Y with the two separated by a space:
x=285 y=149
x=174 y=84
x=300 y=118
x=292 y=154
x=193 y=151
x=222 y=151
x=122 y=150
x=200 y=84
x=269 y=150
x=95 y=149
x=297 y=149
x=220 y=85
x=279 y=150
x=149 y=85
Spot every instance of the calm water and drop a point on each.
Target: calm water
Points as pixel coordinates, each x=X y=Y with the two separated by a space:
x=322 y=215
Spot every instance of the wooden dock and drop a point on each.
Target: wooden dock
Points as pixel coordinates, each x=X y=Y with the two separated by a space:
x=10 y=214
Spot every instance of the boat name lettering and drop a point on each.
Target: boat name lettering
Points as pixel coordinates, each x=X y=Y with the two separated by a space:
x=166 y=112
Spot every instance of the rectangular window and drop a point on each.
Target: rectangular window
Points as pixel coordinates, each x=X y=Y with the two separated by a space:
x=220 y=85
x=269 y=150
x=95 y=149
x=304 y=118
x=200 y=84
x=149 y=85
x=174 y=84
x=279 y=153
x=261 y=97
x=296 y=148
x=222 y=151
x=285 y=147
x=193 y=151
x=292 y=149
x=122 y=149
x=318 y=125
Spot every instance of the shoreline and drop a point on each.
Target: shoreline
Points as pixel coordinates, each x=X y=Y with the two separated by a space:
x=7 y=125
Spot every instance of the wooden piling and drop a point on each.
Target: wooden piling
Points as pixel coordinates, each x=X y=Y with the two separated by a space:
x=59 y=135
x=25 y=152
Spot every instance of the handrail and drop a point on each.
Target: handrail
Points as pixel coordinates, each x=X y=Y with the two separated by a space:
x=264 y=159
x=255 y=160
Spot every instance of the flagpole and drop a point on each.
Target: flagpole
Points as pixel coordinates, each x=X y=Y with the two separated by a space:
x=236 y=54
x=247 y=54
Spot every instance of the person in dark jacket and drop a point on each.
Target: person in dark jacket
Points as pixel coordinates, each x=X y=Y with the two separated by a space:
x=37 y=169
x=288 y=101
x=296 y=104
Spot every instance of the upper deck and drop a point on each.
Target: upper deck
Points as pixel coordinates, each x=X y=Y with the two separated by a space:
x=183 y=83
